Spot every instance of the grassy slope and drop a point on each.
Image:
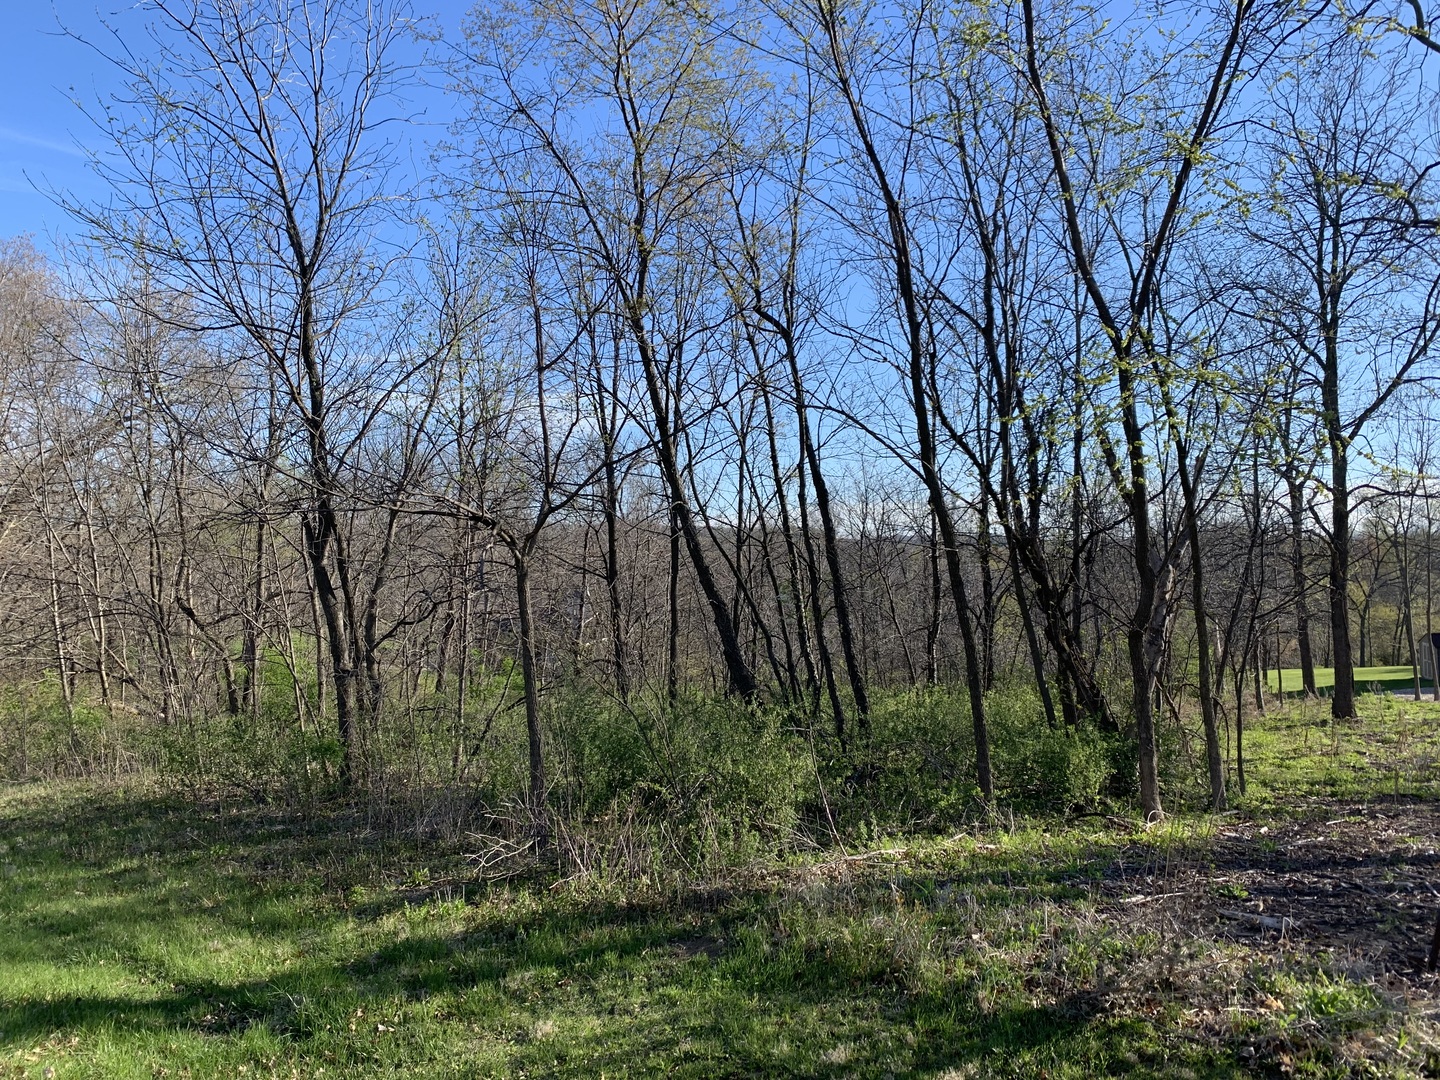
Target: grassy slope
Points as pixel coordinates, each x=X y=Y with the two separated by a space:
x=143 y=936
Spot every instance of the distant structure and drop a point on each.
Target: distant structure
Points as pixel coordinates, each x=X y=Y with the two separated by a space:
x=1429 y=648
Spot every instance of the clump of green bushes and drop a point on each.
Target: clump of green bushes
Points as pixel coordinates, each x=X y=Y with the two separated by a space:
x=40 y=736
x=696 y=784
x=712 y=781
x=716 y=781
x=918 y=768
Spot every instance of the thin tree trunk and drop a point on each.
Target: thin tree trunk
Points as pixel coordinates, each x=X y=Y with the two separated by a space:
x=672 y=646
x=1032 y=641
x=1213 y=757
x=530 y=673
x=919 y=363
x=984 y=554
x=932 y=624
x=740 y=678
x=1301 y=585
x=611 y=562
x=57 y=629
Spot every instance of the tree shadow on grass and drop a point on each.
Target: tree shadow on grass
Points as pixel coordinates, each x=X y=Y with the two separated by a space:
x=559 y=988
x=1069 y=1038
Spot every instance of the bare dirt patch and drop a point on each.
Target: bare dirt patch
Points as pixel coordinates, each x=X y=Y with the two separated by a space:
x=1352 y=879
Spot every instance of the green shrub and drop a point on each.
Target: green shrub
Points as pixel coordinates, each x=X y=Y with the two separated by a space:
x=724 y=780
x=39 y=737
x=919 y=766
x=1039 y=768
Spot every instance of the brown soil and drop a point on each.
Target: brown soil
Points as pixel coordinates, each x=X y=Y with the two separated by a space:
x=1356 y=880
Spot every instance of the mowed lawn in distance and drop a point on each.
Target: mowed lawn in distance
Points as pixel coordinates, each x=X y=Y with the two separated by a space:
x=1396 y=677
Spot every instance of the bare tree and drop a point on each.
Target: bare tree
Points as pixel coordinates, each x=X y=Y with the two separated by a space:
x=1099 y=192
x=656 y=75
x=836 y=35
x=1357 y=301
x=248 y=164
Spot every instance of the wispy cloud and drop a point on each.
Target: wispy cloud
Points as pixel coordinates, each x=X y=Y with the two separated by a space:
x=10 y=186
x=11 y=135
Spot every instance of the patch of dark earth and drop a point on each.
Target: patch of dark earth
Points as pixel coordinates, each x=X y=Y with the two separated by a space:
x=1356 y=880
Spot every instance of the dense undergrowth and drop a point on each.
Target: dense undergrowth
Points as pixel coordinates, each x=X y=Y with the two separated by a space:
x=704 y=781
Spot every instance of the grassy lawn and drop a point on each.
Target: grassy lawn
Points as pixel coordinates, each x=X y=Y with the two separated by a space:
x=1296 y=754
x=1398 y=677
x=145 y=939
x=147 y=936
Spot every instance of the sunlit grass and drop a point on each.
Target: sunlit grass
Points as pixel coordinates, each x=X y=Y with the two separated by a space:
x=1299 y=752
x=131 y=948
x=1395 y=677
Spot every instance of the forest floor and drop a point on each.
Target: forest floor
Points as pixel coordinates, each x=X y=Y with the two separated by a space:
x=144 y=933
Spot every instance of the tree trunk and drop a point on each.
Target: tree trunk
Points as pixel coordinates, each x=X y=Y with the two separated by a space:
x=1032 y=641
x=1301 y=585
x=920 y=364
x=529 y=672
x=672 y=640
x=740 y=679
x=1342 y=701
x=1213 y=757
x=612 y=575
x=319 y=537
x=1403 y=548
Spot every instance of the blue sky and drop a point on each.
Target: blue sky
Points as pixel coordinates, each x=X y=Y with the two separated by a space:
x=43 y=74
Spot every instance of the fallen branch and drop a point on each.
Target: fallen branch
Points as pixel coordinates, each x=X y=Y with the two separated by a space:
x=1265 y=922
x=500 y=853
x=872 y=854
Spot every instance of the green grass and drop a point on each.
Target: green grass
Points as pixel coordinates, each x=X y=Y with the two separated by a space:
x=1397 y=677
x=145 y=934
x=145 y=938
x=1299 y=753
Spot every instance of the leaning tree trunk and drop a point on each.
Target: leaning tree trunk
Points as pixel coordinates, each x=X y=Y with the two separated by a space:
x=529 y=672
